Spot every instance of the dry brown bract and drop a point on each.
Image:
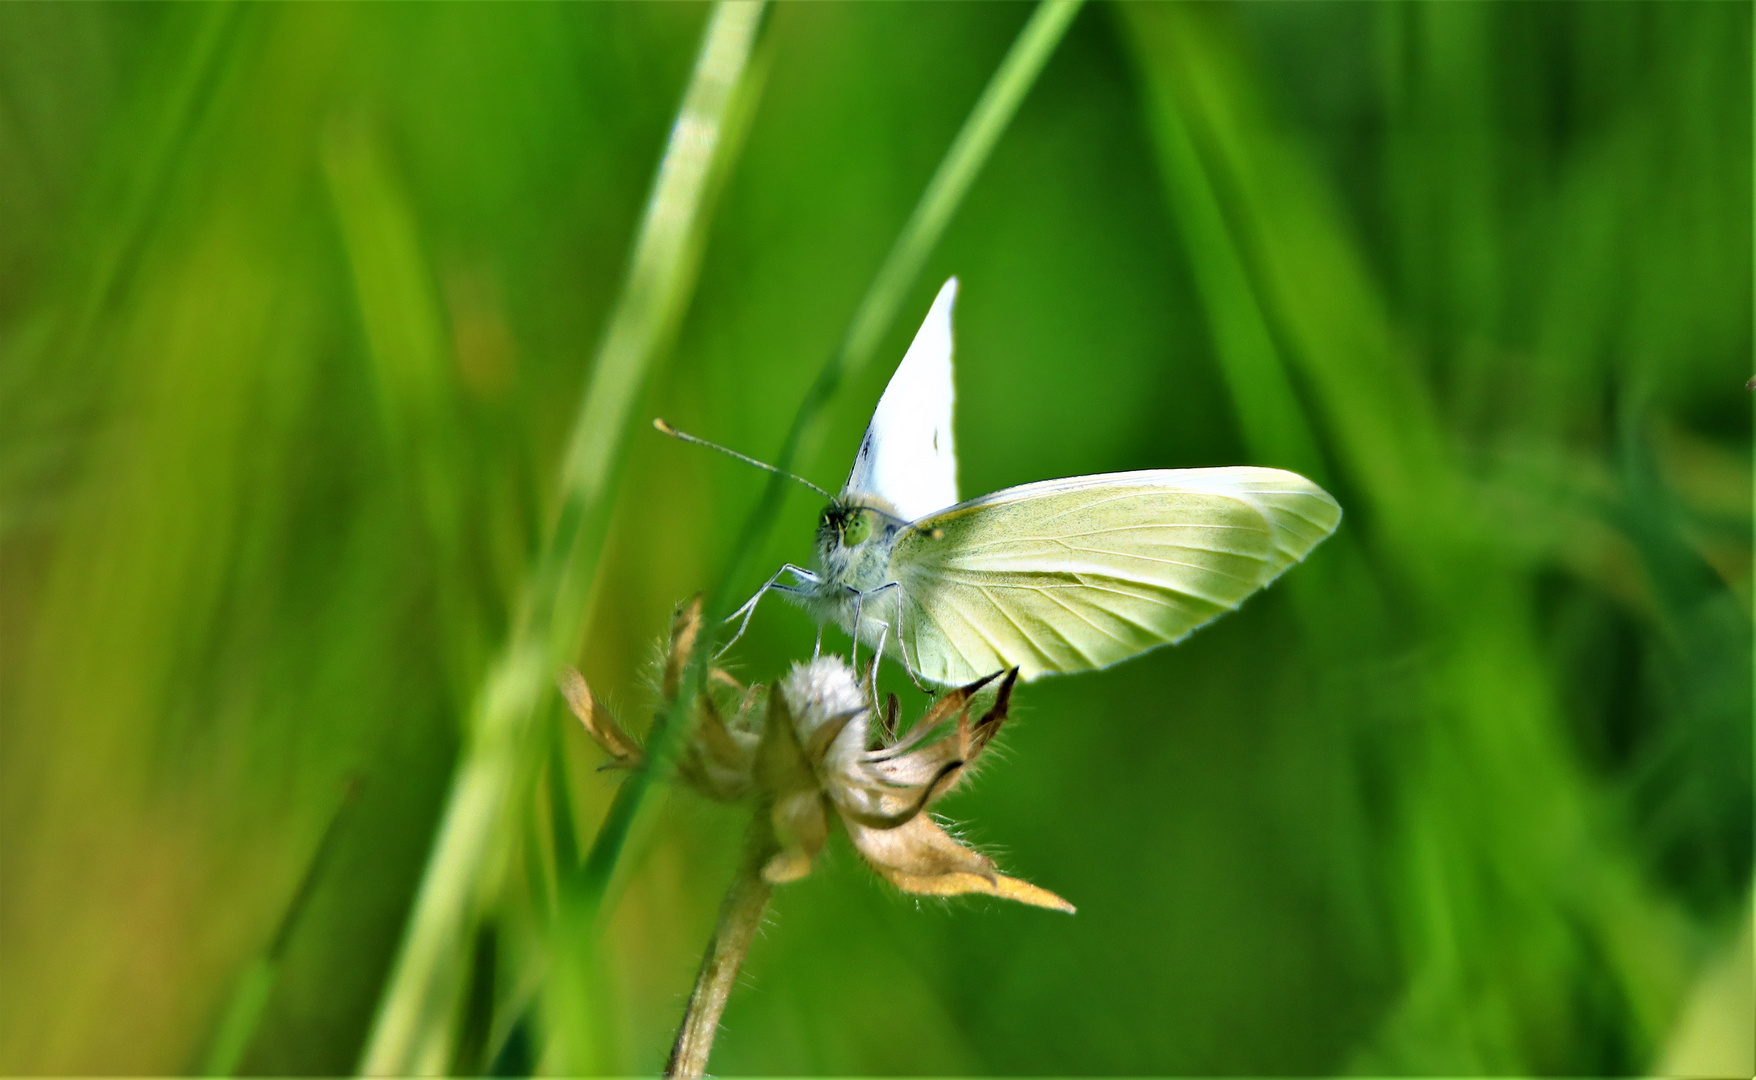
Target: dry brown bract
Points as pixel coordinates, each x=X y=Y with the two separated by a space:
x=815 y=749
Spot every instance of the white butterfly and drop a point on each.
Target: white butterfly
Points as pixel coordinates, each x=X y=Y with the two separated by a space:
x=1052 y=577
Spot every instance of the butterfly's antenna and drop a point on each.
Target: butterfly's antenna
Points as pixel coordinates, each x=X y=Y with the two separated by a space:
x=745 y=458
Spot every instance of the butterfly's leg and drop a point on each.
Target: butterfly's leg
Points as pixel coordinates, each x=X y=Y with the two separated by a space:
x=804 y=577
x=872 y=683
x=854 y=653
x=902 y=648
x=817 y=647
x=907 y=669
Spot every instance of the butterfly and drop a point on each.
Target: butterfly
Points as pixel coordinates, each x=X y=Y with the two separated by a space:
x=1053 y=577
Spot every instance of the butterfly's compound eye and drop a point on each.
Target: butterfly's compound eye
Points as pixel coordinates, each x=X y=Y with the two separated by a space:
x=858 y=527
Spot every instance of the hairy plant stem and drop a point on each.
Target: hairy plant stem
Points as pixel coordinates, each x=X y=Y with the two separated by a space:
x=740 y=916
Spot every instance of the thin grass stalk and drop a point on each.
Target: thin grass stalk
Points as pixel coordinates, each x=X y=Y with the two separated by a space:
x=243 y=1009
x=412 y=1031
x=164 y=137
x=944 y=193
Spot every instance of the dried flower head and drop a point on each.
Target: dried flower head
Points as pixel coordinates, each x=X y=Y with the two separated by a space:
x=819 y=752
x=815 y=755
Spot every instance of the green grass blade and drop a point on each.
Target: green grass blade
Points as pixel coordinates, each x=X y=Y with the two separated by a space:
x=413 y=1029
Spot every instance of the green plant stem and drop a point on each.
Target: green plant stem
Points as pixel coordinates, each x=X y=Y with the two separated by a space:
x=944 y=193
x=740 y=916
x=412 y=1031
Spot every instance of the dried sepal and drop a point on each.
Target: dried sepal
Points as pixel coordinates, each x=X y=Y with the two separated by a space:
x=720 y=677
x=921 y=858
x=800 y=830
x=717 y=760
x=870 y=805
x=989 y=725
x=1009 y=888
x=685 y=628
x=887 y=722
x=599 y=724
x=800 y=824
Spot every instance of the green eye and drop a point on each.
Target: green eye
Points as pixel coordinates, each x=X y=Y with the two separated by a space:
x=858 y=527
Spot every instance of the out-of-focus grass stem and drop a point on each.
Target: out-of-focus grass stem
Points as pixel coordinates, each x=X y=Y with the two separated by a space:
x=1494 y=725
x=243 y=1010
x=412 y=1031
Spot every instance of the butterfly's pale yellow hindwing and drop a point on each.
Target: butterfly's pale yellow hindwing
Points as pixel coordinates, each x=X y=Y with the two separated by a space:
x=1070 y=575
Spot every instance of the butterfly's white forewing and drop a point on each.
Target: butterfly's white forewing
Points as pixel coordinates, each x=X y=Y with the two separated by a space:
x=907 y=458
x=1068 y=575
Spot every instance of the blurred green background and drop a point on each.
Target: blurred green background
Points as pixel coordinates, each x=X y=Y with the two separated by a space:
x=296 y=303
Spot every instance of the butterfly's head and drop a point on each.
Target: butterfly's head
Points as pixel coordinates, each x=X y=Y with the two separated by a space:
x=843 y=525
x=854 y=539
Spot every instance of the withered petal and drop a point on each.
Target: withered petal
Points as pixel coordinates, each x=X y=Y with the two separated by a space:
x=918 y=847
x=598 y=723
x=1010 y=888
x=790 y=864
x=712 y=779
x=864 y=799
x=826 y=734
x=917 y=768
x=920 y=733
x=926 y=793
x=718 y=742
x=800 y=823
x=780 y=762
